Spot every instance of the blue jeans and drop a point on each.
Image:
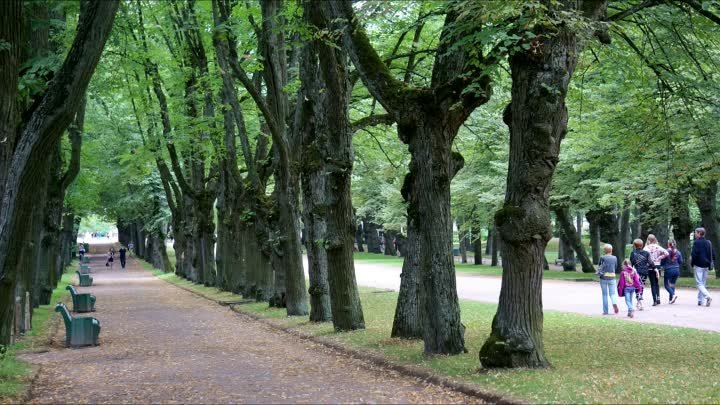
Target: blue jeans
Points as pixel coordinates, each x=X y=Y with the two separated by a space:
x=701 y=274
x=608 y=288
x=629 y=292
x=671 y=276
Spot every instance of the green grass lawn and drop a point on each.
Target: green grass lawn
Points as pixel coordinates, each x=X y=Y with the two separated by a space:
x=14 y=373
x=593 y=359
x=484 y=270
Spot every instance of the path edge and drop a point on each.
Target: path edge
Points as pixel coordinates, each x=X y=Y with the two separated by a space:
x=377 y=360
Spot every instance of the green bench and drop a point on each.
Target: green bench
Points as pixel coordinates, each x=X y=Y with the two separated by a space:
x=86 y=259
x=84 y=302
x=84 y=280
x=79 y=331
x=84 y=269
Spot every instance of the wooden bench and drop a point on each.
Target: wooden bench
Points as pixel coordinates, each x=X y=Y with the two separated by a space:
x=79 y=331
x=84 y=280
x=84 y=302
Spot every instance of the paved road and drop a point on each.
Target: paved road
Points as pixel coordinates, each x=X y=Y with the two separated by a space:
x=163 y=344
x=566 y=296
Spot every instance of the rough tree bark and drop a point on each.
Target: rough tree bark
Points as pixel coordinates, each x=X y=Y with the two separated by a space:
x=330 y=110
x=428 y=120
x=537 y=119
x=42 y=129
x=608 y=224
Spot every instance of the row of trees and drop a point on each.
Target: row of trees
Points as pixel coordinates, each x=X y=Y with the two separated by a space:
x=315 y=92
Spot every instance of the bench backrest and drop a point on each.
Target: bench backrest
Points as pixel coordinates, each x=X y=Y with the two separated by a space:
x=65 y=314
x=72 y=290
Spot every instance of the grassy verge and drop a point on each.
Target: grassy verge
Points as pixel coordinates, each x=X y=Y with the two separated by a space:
x=484 y=270
x=594 y=359
x=14 y=373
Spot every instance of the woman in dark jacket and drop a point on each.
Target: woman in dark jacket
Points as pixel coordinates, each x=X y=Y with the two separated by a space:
x=671 y=263
x=640 y=260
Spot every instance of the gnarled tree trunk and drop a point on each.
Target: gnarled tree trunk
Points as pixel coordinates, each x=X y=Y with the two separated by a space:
x=537 y=118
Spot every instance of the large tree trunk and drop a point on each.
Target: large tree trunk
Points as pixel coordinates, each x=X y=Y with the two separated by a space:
x=573 y=237
x=41 y=130
x=315 y=213
x=488 y=245
x=463 y=236
x=333 y=127
x=537 y=119
x=406 y=323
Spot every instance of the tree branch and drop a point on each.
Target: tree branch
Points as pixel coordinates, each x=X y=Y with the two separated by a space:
x=374 y=73
x=634 y=9
x=371 y=120
x=697 y=6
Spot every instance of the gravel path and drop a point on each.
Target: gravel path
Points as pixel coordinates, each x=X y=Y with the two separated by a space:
x=567 y=296
x=161 y=344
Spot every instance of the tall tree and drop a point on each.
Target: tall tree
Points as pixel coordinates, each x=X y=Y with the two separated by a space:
x=537 y=119
x=45 y=123
x=428 y=120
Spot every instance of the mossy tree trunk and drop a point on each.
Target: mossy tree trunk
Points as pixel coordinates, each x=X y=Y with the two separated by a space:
x=41 y=129
x=428 y=120
x=537 y=118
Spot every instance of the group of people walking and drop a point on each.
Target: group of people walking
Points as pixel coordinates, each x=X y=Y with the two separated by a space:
x=646 y=262
x=122 y=253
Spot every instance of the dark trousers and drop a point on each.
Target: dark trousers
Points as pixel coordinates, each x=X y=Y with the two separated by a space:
x=654 y=286
x=122 y=262
x=671 y=276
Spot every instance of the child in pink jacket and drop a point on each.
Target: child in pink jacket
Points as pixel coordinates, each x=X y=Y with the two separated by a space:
x=628 y=283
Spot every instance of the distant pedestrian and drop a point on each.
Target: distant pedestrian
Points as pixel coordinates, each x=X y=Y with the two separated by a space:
x=606 y=273
x=131 y=246
x=122 y=252
x=657 y=253
x=702 y=259
x=110 y=258
x=628 y=286
x=671 y=263
x=81 y=251
x=640 y=260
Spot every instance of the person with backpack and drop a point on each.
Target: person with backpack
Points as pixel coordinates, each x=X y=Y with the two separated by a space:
x=671 y=263
x=606 y=273
x=702 y=259
x=640 y=260
x=657 y=253
x=628 y=286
